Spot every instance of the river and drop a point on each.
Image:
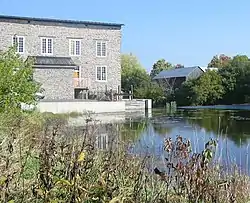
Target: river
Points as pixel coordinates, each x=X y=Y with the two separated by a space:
x=230 y=126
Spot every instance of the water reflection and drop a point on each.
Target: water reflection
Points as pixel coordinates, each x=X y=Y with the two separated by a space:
x=161 y=130
x=230 y=128
x=145 y=135
x=235 y=125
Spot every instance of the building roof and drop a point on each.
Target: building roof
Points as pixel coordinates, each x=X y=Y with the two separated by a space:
x=48 y=61
x=176 y=73
x=50 y=21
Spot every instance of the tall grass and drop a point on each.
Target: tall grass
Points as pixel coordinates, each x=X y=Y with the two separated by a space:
x=44 y=160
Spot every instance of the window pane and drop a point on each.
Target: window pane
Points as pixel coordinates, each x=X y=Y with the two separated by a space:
x=103 y=73
x=99 y=73
x=20 y=45
x=44 y=46
x=72 y=47
x=15 y=43
x=104 y=49
x=98 y=48
x=77 y=47
x=50 y=46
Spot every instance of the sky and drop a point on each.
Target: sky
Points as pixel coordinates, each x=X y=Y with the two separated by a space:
x=188 y=32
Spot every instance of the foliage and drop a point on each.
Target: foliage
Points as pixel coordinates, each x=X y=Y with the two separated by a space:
x=195 y=177
x=132 y=73
x=152 y=90
x=159 y=66
x=179 y=66
x=52 y=163
x=205 y=90
x=58 y=164
x=235 y=80
x=16 y=84
x=185 y=94
x=220 y=61
x=229 y=85
x=208 y=88
x=239 y=60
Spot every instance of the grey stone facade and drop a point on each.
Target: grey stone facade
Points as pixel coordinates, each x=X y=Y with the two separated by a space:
x=58 y=82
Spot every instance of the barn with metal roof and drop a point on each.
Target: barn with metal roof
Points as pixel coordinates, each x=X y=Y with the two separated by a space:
x=175 y=77
x=186 y=72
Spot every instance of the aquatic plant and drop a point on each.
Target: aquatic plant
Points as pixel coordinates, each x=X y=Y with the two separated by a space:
x=197 y=177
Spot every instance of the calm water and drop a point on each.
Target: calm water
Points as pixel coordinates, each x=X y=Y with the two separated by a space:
x=230 y=127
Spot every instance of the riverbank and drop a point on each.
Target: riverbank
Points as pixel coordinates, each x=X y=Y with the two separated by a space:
x=222 y=107
x=46 y=162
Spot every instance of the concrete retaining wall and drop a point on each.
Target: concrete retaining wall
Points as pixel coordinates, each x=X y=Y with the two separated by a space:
x=138 y=104
x=81 y=106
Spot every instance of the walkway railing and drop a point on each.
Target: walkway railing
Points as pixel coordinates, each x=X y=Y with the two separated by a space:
x=81 y=82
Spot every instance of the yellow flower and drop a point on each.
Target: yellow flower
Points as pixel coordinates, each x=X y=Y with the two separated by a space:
x=81 y=157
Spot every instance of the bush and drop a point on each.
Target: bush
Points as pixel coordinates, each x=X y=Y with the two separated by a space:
x=45 y=161
x=16 y=83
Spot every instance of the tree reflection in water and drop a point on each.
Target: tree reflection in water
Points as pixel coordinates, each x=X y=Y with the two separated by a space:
x=234 y=125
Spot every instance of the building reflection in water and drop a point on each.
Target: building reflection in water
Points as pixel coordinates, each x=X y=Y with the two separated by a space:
x=102 y=141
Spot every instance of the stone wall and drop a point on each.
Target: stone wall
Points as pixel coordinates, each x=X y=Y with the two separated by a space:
x=61 y=36
x=57 y=82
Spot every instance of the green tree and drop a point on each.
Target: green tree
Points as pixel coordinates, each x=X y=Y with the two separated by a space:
x=153 y=91
x=16 y=83
x=235 y=79
x=185 y=94
x=220 y=61
x=241 y=93
x=208 y=88
x=239 y=60
x=230 y=85
x=205 y=90
x=132 y=73
x=229 y=81
x=159 y=66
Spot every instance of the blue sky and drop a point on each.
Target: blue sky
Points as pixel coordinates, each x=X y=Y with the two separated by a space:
x=187 y=32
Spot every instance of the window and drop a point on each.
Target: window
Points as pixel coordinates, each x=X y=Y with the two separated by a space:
x=101 y=49
x=47 y=46
x=101 y=73
x=74 y=47
x=19 y=43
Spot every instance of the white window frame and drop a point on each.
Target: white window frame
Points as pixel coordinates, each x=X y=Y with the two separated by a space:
x=17 y=49
x=52 y=46
x=100 y=41
x=101 y=73
x=80 y=45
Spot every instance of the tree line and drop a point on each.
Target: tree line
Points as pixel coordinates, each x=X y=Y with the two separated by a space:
x=229 y=84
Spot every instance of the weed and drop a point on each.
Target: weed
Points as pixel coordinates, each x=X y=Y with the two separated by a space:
x=44 y=160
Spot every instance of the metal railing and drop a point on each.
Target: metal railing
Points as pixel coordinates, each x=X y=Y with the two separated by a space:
x=81 y=82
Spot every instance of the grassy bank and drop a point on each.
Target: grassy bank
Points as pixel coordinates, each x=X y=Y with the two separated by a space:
x=42 y=160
